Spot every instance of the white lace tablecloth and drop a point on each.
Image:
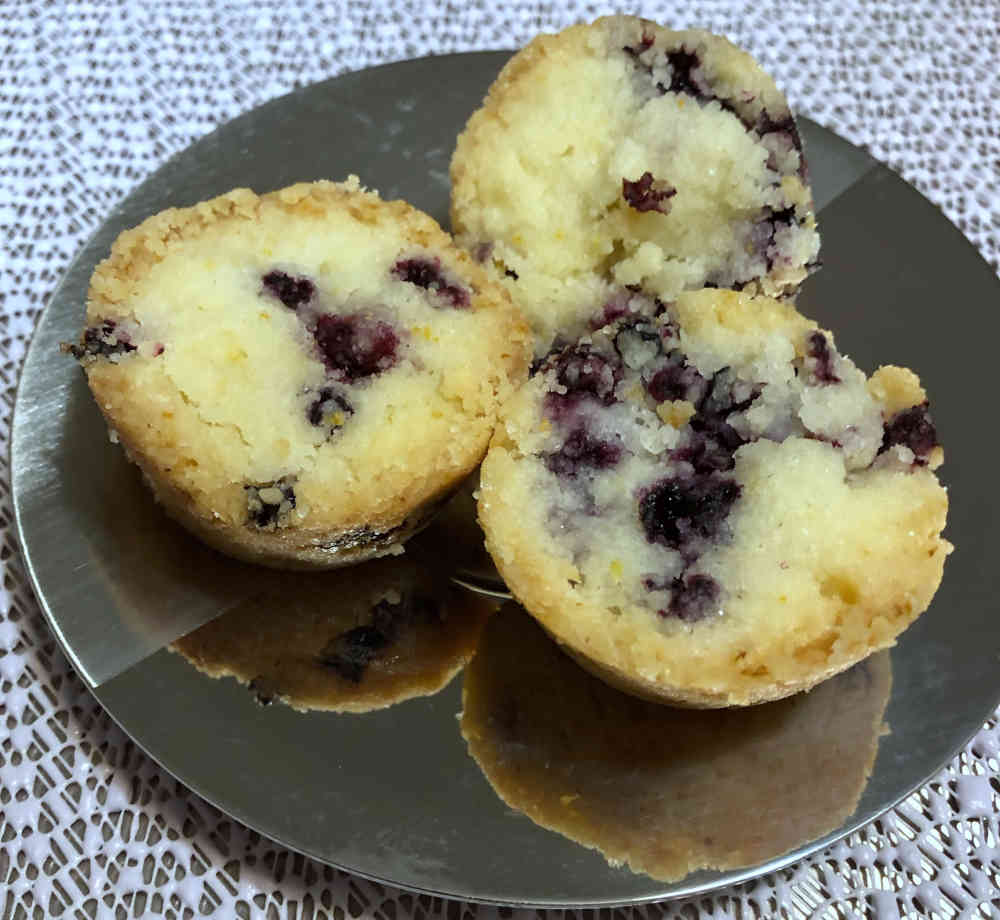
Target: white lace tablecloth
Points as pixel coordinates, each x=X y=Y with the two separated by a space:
x=96 y=95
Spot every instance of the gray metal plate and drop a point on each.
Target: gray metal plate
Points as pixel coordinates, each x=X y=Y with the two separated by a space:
x=393 y=795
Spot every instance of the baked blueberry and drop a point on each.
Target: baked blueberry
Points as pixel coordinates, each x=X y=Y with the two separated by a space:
x=292 y=292
x=428 y=274
x=356 y=346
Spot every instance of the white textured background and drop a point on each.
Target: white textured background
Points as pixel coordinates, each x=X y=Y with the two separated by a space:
x=94 y=97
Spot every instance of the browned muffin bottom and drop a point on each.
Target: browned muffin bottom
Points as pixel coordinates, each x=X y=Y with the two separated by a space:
x=665 y=791
x=348 y=641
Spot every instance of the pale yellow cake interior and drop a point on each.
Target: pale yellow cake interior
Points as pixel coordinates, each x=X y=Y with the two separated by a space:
x=830 y=551
x=218 y=393
x=537 y=174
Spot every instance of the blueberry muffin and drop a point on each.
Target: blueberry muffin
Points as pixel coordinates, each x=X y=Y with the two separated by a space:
x=621 y=153
x=347 y=641
x=300 y=376
x=712 y=506
x=665 y=791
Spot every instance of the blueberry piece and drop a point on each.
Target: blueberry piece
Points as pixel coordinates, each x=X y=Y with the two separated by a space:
x=676 y=511
x=582 y=451
x=676 y=380
x=788 y=131
x=427 y=274
x=693 y=598
x=327 y=403
x=584 y=372
x=356 y=346
x=763 y=231
x=630 y=302
x=821 y=357
x=713 y=442
x=292 y=292
x=912 y=428
x=102 y=342
x=648 y=194
x=269 y=503
x=350 y=653
x=708 y=454
x=683 y=62
x=766 y=125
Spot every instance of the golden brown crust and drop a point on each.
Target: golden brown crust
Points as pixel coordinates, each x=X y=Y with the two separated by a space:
x=800 y=609
x=283 y=642
x=361 y=508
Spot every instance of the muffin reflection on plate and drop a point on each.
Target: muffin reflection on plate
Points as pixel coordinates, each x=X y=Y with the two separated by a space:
x=666 y=791
x=350 y=641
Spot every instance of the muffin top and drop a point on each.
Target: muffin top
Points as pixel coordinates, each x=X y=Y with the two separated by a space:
x=621 y=153
x=313 y=358
x=715 y=505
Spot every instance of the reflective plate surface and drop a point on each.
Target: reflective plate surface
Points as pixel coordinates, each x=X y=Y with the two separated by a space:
x=394 y=795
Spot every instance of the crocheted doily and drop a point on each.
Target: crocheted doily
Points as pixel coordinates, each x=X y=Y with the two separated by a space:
x=95 y=96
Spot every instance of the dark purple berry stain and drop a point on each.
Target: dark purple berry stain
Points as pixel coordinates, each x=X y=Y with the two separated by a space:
x=727 y=394
x=682 y=63
x=262 y=511
x=787 y=130
x=676 y=379
x=585 y=374
x=764 y=229
x=427 y=274
x=645 y=43
x=692 y=598
x=687 y=78
x=292 y=292
x=350 y=653
x=102 y=342
x=677 y=512
x=630 y=302
x=766 y=125
x=583 y=371
x=648 y=194
x=821 y=359
x=914 y=429
x=327 y=402
x=582 y=451
x=355 y=346
x=714 y=441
